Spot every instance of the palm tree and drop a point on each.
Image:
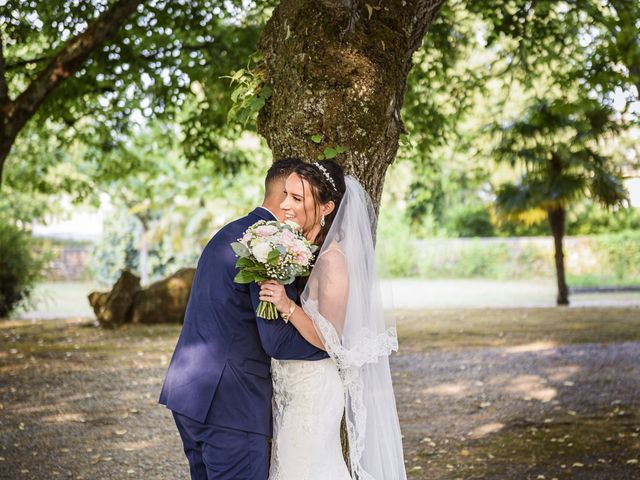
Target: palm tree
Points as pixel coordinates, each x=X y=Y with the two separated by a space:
x=557 y=142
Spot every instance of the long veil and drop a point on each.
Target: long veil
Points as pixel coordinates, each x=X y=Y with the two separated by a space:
x=343 y=298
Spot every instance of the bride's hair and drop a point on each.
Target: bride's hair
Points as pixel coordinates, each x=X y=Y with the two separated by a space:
x=326 y=179
x=325 y=187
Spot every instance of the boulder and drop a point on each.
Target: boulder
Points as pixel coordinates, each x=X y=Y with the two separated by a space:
x=114 y=308
x=164 y=301
x=98 y=300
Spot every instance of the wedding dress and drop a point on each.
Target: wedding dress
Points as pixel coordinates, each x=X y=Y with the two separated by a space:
x=307 y=411
x=343 y=299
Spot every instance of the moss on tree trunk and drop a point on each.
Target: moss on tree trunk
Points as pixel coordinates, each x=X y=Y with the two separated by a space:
x=339 y=69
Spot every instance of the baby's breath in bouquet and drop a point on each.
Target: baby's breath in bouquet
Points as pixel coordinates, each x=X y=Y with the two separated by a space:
x=270 y=250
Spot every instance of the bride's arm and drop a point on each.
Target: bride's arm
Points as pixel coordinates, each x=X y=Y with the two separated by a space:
x=331 y=282
x=273 y=292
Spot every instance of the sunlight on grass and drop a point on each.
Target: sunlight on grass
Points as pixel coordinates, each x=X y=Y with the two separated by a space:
x=486 y=429
x=532 y=347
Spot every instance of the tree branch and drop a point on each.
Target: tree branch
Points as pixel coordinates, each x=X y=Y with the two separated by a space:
x=23 y=63
x=71 y=58
x=4 y=90
x=15 y=114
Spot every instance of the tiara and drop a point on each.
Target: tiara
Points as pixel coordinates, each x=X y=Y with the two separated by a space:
x=326 y=175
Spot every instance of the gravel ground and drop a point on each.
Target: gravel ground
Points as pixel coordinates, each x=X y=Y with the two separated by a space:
x=80 y=402
x=456 y=406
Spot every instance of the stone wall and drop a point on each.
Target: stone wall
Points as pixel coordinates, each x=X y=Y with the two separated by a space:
x=66 y=262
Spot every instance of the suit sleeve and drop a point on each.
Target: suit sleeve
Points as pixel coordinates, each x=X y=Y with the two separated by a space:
x=281 y=340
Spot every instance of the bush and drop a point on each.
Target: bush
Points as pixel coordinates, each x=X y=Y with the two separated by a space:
x=19 y=270
x=395 y=251
x=470 y=221
x=592 y=219
x=621 y=253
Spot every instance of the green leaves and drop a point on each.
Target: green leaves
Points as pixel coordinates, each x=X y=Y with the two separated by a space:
x=273 y=257
x=240 y=249
x=245 y=276
x=250 y=93
x=329 y=153
x=250 y=270
x=554 y=139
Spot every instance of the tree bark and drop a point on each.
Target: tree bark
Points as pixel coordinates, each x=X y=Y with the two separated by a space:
x=14 y=114
x=557 y=223
x=338 y=68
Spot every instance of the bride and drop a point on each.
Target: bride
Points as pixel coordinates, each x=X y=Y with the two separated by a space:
x=340 y=311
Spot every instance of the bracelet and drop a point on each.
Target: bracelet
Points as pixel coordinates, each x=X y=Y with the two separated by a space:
x=286 y=316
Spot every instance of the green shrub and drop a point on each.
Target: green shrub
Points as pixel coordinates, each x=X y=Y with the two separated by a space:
x=593 y=219
x=19 y=269
x=470 y=221
x=621 y=253
x=118 y=249
x=395 y=251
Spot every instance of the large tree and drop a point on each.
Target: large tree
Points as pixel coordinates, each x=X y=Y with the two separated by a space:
x=338 y=70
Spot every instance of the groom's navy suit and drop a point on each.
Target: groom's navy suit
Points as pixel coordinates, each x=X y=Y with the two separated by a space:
x=218 y=384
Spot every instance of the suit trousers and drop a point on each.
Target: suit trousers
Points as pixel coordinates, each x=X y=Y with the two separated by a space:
x=219 y=453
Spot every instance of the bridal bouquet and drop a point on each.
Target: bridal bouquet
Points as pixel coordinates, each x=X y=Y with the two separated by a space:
x=270 y=250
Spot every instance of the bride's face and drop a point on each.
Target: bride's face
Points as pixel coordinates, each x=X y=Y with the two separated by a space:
x=299 y=205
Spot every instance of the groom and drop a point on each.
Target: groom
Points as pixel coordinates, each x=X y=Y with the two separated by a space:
x=218 y=384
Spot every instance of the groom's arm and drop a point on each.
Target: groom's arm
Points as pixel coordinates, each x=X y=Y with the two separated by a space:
x=281 y=340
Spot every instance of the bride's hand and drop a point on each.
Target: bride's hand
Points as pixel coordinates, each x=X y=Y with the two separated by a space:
x=272 y=291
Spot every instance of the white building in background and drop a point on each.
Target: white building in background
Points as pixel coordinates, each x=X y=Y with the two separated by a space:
x=82 y=223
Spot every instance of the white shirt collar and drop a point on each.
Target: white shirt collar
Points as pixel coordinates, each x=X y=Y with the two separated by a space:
x=272 y=214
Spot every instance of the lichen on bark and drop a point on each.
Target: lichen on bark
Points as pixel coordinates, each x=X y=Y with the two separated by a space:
x=339 y=69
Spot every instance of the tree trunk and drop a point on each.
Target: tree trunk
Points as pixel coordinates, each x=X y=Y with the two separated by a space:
x=14 y=114
x=557 y=221
x=338 y=68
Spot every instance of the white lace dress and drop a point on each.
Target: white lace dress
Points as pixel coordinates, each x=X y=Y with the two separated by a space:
x=308 y=404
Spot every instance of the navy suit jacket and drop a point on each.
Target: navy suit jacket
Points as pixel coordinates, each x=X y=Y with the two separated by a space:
x=220 y=370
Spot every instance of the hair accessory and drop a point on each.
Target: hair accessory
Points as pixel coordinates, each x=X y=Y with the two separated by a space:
x=326 y=175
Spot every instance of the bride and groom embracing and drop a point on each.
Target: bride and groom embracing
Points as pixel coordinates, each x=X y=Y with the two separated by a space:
x=236 y=379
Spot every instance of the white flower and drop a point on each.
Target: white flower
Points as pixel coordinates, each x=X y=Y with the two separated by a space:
x=293 y=225
x=261 y=251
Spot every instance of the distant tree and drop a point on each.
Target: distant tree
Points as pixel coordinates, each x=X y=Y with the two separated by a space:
x=557 y=145
x=91 y=65
x=485 y=58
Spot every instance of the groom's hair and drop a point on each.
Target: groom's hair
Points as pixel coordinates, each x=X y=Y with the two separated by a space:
x=280 y=169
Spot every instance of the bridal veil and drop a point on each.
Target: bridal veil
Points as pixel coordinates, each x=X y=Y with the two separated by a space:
x=343 y=298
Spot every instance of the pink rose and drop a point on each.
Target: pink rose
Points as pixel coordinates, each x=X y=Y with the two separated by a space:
x=288 y=239
x=245 y=238
x=266 y=230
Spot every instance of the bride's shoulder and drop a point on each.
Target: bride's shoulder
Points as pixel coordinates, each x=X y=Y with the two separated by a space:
x=332 y=250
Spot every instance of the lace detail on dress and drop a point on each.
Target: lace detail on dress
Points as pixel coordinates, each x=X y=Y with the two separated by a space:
x=367 y=348
x=308 y=402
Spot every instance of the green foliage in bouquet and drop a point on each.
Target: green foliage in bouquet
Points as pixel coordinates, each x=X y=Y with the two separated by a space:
x=270 y=250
